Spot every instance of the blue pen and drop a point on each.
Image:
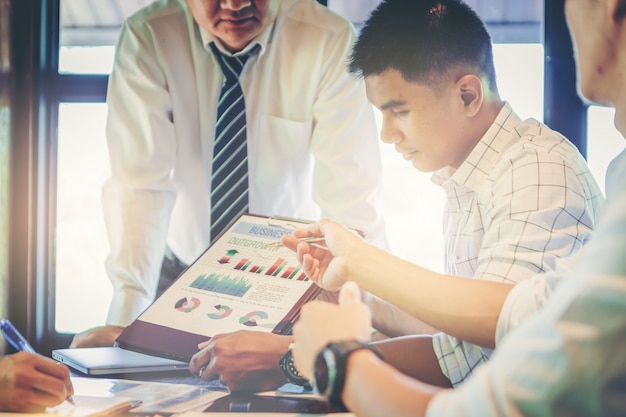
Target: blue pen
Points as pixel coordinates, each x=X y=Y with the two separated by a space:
x=14 y=337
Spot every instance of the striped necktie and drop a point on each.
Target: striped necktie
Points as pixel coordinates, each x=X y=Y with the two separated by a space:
x=229 y=180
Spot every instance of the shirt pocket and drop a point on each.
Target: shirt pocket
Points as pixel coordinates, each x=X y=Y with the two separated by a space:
x=280 y=151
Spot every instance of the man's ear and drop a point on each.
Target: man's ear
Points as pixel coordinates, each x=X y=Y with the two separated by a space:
x=470 y=92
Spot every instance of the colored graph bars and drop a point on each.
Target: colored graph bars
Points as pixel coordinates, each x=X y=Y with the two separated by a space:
x=223 y=284
x=277 y=267
x=245 y=263
x=290 y=272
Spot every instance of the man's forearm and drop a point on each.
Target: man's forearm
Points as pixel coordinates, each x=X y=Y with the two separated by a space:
x=393 y=321
x=373 y=388
x=462 y=307
x=414 y=356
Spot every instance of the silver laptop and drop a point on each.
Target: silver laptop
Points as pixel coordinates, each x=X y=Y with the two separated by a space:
x=114 y=360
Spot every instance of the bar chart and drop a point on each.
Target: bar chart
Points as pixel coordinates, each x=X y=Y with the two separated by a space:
x=223 y=284
x=278 y=268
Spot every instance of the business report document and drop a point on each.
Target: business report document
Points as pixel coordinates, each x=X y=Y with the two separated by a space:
x=241 y=282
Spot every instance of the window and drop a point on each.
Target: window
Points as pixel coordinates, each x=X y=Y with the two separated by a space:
x=412 y=205
x=605 y=141
x=81 y=245
x=88 y=32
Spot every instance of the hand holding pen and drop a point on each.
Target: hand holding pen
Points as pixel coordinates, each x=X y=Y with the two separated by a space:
x=29 y=381
x=14 y=337
x=315 y=241
x=325 y=263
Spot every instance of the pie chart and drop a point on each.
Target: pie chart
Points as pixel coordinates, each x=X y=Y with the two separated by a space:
x=250 y=319
x=187 y=306
x=221 y=312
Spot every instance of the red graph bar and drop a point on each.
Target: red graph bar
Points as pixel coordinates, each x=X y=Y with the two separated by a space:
x=241 y=264
x=274 y=266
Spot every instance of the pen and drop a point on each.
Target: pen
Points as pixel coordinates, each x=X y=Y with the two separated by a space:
x=14 y=337
x=279 y=244
x=19 y=342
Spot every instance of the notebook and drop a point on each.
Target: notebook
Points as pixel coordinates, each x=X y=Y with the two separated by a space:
x=114 y=360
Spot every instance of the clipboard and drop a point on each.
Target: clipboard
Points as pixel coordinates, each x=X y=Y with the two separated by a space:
x=239 y=283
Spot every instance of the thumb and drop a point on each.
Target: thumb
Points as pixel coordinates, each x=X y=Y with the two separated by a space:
x=350 y=294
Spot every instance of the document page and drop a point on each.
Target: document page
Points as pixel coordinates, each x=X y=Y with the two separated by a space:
x=97 y=397
x=240 y=283
x=87 y=406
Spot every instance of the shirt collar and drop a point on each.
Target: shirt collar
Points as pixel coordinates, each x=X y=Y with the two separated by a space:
x=262 y=40
x=478 y=165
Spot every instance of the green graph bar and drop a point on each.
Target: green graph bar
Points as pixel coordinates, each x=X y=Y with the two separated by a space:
x=295 y=272
x=280 y=268
x=223 y=284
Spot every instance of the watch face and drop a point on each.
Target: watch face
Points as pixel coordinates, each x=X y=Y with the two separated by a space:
x=330 y=367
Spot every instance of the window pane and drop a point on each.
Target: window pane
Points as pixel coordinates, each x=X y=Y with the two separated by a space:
x=83 y=291
x=521 y=85
x=88 y=31
x=604 y=141
x=86 y=59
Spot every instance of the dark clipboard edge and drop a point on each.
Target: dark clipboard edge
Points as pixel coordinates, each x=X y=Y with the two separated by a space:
x=284 y=327
x=156 y=340
x=167 y=342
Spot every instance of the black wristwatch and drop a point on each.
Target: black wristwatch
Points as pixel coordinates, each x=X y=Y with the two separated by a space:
x=329 y=374
x=290 y=371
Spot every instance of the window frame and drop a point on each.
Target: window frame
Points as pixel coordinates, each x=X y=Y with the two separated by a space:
x=39 y=89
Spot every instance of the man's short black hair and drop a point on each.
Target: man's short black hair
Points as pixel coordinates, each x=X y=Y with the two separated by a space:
x=427 y=41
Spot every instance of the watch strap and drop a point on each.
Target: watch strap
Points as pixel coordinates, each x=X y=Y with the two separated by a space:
x=337 y=354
